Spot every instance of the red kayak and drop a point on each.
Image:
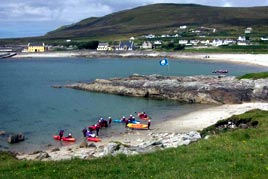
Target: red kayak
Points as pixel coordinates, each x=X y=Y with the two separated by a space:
x=93 y=139
x=68 y=139
x=141 y=116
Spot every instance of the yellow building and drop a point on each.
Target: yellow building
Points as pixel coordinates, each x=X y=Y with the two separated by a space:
x=36 y=47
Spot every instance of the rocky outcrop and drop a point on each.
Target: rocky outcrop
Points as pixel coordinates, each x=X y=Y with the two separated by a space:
x=189 y=89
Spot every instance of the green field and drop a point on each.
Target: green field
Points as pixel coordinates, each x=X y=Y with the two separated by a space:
x=239 y=153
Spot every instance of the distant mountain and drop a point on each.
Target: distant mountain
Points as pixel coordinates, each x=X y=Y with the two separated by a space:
x=159 y=18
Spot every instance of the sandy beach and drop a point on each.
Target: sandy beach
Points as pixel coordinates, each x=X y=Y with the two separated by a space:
x=254 y=59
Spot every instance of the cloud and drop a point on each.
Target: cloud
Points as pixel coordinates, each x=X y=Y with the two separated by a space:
x=47 y=13
x=67 y=10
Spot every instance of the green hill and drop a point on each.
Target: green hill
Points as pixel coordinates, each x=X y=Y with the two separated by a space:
x=161 y=18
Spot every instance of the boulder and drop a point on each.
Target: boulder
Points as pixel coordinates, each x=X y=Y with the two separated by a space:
x=15 y=138
x=2 y=132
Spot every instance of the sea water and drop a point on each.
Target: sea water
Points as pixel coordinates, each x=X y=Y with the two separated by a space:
x=29 y=104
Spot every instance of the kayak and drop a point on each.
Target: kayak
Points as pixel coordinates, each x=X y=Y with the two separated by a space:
x=142 y=117
x=68 y=139
x=120 y=121
x=138 y=126
x=93 y=139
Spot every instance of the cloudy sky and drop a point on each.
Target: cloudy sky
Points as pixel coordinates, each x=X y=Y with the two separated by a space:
x=22 y=18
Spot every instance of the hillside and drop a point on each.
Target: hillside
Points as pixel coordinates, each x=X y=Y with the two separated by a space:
x=160 y=18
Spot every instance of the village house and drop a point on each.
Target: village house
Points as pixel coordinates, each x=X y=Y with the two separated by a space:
x=183 y=42
x=104 y=47
x=157 y=44
x=126 y=45
x=36 y=47
x=248 y=30
x=147 y=45
x=150 y=36
x=242 y=41
x=132 y=38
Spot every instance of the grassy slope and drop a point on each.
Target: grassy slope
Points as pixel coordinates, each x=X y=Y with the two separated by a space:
x=238 y=154
x=158 y=18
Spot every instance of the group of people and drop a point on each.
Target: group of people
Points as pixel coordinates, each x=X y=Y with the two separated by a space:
x=131 y=119
x=104 y=123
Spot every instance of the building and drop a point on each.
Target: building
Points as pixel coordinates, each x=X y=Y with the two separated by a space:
x=36 y=47
x=126 y=45
x=248 y=30
x=104 y=47
x=147 y=45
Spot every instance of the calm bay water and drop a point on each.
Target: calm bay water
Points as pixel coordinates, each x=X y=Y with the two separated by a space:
x=30 y=105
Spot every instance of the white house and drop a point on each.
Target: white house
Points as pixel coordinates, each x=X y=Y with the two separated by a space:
x=183 y=26
x=158 y=42
x=248 y=30
x=217 y=42
x=104 y=47
x=147 y=45
x=150 y=36
x=183 y=42
x=264 y=38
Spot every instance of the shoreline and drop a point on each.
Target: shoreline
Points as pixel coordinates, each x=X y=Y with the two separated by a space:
x=254 y=59
x=190 y=122
x=182 y=126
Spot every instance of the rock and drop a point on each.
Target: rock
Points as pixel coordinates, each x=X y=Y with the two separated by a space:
x=42 y=155
x=157 y=143
x=15 y=138
x=2 y=132
x=56 y=86
x=55 y=149
x=83 y=144
x=110 y=148
x=189 y=89
x=92 y=145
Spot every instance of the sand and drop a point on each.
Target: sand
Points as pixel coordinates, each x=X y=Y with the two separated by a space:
x=255 y=59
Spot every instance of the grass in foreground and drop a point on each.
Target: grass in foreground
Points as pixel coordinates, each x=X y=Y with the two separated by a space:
x=241 y=153
x=254 y=75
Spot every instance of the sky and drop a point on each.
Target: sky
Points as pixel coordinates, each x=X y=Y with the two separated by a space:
x=26 y=18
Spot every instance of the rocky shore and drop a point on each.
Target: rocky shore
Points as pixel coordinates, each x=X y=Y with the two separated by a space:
x=134 y=143
x=189 y=89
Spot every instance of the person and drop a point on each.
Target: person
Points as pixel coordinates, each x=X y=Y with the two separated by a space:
x=61 y=134
x=145 y=115
x=110 y=120
x=90 y=134
x=97 y=129
x=84 y=131
x=130 y=118
x=126 y=123
x=69 y=135
x=123 y=119
x=149 y=123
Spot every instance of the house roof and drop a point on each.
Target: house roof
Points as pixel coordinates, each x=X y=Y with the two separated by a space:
x=128 y=44
x=103 y=44
x=36 y=44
